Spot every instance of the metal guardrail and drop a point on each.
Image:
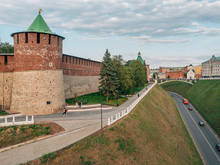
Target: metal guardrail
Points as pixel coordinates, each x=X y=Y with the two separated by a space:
x=6 y=123
x=126 y=111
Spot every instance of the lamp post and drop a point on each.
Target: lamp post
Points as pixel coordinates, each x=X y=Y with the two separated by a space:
x=100 y=88
x=117 y=97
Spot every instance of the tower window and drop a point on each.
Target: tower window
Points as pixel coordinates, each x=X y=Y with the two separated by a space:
x=49 y=38
x=38 y=37
x=48 y=102
x=17 y=38
x=26 y=37
x=6 y=60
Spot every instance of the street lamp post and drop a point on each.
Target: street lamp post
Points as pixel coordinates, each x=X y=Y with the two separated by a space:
x=117 y=97
x=100 y=88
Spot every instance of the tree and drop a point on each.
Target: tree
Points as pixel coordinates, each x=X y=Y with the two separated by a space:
x=118 y=61
x=108 y=78
x=145 y=70
x=168 y=76
x=138 y=72
x=6 y=48
x=185 y=75
x=126 y=78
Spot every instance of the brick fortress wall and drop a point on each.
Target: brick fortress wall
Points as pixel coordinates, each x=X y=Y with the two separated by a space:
x=38 y=76
x=6 y=79
x=81 y=76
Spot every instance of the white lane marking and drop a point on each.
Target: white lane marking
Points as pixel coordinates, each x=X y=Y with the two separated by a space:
x=200 y=131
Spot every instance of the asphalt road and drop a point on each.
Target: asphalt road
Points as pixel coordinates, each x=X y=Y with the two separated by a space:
x=203 y=137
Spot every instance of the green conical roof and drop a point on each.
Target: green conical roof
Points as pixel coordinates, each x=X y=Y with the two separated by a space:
x=140 y=58
x=39 y=26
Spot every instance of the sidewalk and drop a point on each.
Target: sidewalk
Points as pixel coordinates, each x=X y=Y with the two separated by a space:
x=78 y=125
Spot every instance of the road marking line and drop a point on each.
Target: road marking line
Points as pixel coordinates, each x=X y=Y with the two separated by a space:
x=200 y=131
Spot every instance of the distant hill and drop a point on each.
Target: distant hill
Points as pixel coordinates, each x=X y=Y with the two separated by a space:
x=204 y=95
x=153 y=133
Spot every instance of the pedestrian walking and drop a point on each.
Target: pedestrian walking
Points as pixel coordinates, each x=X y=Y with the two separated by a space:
x=64 y=111
x=80 y=103
x=138 y=94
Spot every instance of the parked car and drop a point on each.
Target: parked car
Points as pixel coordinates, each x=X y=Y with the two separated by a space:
x=218 y=147
x=201 y=124
x=190 y=108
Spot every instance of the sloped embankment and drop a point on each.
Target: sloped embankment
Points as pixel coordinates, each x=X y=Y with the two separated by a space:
x=204 y=95
x=153 y=133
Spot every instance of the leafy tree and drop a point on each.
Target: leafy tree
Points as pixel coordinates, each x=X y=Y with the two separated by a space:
x=138 y=72
x=145 y=70
x=6 y=48
x=185 y=75
x=126 y=78
x=118 y=61
x=168 y=77
x=108 y=78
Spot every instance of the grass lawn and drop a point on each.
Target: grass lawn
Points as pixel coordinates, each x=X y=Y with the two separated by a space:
x=176 y=86
x=153 y=133
x=3 y=113
x=11 y=135
x=94 y=98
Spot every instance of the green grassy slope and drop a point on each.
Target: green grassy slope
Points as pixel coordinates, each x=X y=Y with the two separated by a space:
x=176 y=86
x=153 y=133
x=204 y=95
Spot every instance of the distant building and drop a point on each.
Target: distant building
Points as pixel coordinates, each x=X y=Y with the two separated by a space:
x=191 y=74
x=161 y=75
x=210 y=68
x=152 y=71
x=174 y=74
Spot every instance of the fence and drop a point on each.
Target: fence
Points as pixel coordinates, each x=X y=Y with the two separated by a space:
x=126 y=111
x=6 y=123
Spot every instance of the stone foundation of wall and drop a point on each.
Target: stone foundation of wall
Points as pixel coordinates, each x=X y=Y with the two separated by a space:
x=38 y=92
x=80 y=85
x=6 y=82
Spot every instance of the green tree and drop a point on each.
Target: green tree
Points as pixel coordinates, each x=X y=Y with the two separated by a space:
x=145 y=71
x=185 y=75
x=6 y=48
x=108 y=78
x=126 y=78
x=118 y=61
x=138 y=72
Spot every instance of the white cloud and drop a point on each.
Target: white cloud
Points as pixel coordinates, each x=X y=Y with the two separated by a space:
x=95 y=39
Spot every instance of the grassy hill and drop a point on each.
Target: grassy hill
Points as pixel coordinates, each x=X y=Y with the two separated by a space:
x=153 y=133
x=176 y=86
x=204 y=95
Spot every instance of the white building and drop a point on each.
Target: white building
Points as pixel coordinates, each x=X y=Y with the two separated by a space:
x=191 y=74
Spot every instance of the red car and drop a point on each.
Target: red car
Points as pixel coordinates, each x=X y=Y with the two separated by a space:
x=190 y=108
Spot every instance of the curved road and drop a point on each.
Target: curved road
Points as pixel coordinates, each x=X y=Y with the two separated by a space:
x=203 y=137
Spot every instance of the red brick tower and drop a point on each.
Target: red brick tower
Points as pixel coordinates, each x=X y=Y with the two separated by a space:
x=38 y=76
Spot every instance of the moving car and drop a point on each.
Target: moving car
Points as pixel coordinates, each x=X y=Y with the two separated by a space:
x=218 y=147
x=190 y=108
x=201 y=124
x=185 y=101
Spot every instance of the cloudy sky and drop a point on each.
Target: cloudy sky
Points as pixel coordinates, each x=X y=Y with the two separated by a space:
x=167 y=32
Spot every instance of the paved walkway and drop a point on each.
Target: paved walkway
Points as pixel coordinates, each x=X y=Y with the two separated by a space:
x=78 y=125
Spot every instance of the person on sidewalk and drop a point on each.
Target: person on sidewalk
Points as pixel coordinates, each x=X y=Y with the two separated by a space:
x=80 y=103
x=64 y=111
x=138 y=94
